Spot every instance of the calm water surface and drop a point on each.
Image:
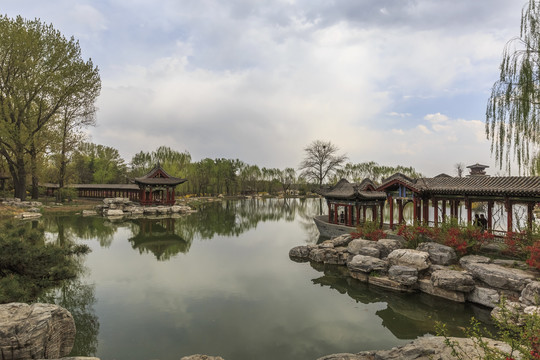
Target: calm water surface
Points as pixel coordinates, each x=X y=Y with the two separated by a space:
x=220 y=282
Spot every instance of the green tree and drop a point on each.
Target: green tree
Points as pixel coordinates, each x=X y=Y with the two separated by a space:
x=41 y=72
x=321 y=161
x=513 y=112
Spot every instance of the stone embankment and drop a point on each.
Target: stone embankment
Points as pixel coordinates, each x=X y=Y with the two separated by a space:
x=28 y=209
x=123 y=207
x=431 y=268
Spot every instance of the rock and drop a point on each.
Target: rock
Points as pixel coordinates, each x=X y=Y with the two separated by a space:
x=29 y=215
x=532 y=310
x=531 y=294
x=425 y=348
x=356 y=245
x=335 y=256
x=386 y=246
x=452 y=280
x=511 y=314
x=201 y=357
x=299 y=252
x=404 y=275
x=470 y=259
x=370 y=251
x=328 y=244
x=426 y=286
x=37 y=331
x=176 y=209
x=439 y=254
x=498 y=276
x=163 y=209
x=89 y=213
x=342 y=240
x=367 y=264
x=150 y=210
x=385 y=282
x=407 y=257
x=484 y=296
x=113 y=212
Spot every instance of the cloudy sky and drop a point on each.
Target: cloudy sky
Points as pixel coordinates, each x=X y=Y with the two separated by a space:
x=399 y=82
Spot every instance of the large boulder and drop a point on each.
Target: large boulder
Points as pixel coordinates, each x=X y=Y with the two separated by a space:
x=484 y=296
x=408 y=257
x=452 y=280
x=438 y=254
x=499 y=276
x=386 y=246
x=37 y=331
x=355 y=246
x=113 y=212
x=531 y=294
x=301 y=252
x=404 y=275
x=342 y=240
x=334 y=256
x=367 y=264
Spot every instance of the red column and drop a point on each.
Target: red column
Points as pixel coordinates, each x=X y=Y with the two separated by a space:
x=530 y=215
x=468 y=205
x=350 y=215
x=435 y=204
x=336 y=214
x=381 y=213
x=443 y=210
x=426 y=211
x=508 y=205
x=357 y=215
x=329 y=213
x=391 y=208
x=490 y=215
x=415 y=209
x=400 y=211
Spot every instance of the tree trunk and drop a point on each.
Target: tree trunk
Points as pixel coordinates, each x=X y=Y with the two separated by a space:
x=33 y=170
x=19 y=180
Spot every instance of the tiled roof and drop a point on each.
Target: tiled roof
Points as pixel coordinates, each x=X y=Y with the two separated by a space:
x=515 y=186
x=158 y=176
x=351 y=191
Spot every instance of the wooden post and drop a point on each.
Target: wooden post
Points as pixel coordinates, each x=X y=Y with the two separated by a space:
x=443 y=205
x=426 y=210
x=530 y=215
x=350 y=215
x=468 y=205
x=336 y=214
x=381 y=211
x=391 y=206
x=400 y=211
x=415 y=208
x=435 y=204
x=329 y=212
x=508 y=206
x=490 y=215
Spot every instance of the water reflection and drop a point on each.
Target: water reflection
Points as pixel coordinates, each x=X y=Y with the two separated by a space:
x=407 y=316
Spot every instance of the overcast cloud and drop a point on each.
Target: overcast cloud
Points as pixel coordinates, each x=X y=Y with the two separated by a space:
x=394 y=81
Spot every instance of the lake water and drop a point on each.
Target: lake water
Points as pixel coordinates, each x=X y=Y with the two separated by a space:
x=220 y=282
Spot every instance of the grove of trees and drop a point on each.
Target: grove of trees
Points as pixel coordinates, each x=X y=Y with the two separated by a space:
x=47 y=94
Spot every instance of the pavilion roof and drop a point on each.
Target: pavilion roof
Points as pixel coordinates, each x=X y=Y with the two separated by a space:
x=352 y=191
x=158 y=176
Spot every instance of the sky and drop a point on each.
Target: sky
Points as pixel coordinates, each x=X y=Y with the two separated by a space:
x=399 y=82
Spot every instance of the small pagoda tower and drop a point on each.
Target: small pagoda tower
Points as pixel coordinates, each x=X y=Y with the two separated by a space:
x=477 y=170
x=157 y=187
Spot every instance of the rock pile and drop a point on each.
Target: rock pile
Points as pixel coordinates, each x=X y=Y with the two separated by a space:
x=31 y=208
x=431 y=268
x=123 y=207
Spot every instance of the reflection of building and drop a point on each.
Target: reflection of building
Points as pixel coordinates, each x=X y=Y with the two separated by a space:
x=155 y=188
x=158 y=237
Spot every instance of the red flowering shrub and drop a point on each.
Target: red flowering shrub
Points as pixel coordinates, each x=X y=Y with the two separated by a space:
x=534 y=256
x=369 y=230
x=416 y=234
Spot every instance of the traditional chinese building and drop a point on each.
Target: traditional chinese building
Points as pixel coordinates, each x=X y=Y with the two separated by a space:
x=155 y=188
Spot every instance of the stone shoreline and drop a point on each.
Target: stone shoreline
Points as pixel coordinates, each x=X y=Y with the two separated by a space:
x=432 y=268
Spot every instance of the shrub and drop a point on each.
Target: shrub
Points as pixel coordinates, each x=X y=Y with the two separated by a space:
x=369 y=230
x=534 y=255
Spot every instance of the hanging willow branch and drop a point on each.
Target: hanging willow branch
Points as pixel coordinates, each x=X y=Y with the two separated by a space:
x=513 y=110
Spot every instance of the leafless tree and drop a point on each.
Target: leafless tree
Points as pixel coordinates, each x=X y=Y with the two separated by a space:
x=460 y=168
x=321 y=160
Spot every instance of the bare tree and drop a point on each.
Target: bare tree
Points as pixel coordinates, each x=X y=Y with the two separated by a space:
x=460 y=168
x=321 y=160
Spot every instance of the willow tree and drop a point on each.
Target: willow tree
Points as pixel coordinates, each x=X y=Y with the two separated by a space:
x=41 y=74
x=513 y=111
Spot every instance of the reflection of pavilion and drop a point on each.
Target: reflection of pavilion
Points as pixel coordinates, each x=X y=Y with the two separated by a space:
x=158 y=237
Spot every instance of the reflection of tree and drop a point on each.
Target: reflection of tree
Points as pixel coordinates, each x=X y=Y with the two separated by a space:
x=69 y=227
x=407 y=316
x=158 y=237
x=78 y=299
